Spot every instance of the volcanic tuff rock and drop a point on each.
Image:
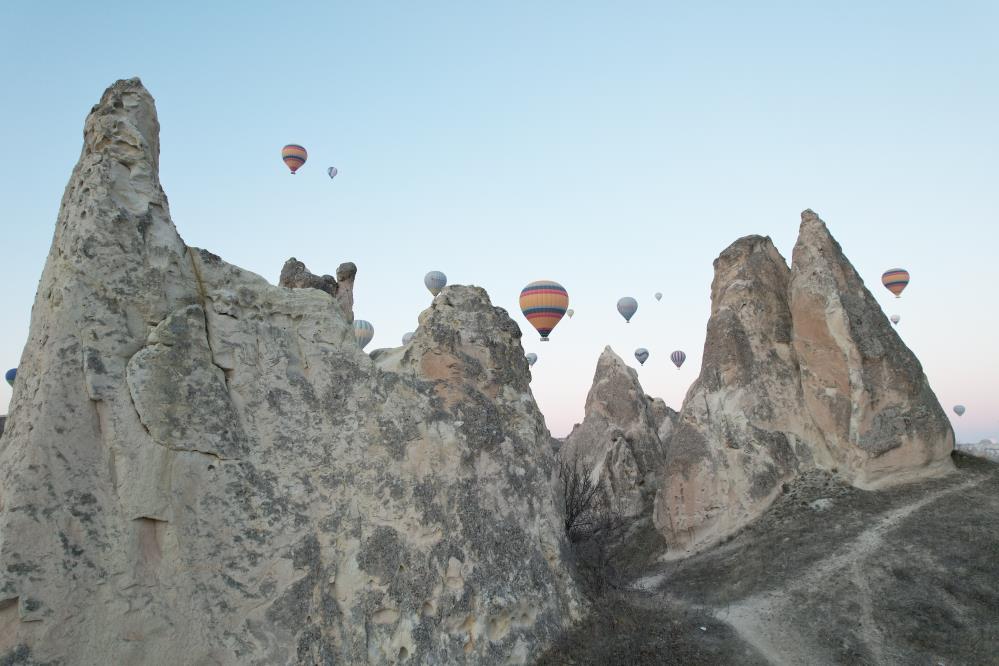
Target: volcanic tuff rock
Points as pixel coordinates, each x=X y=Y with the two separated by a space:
x=801 y=369
x=864 y=388
x=200 y=467
x=619 y=438
x=341 y=288
x=743 y=429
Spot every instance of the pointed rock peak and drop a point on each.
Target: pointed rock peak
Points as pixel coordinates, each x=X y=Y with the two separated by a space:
x=809 y=215
x=124 y=125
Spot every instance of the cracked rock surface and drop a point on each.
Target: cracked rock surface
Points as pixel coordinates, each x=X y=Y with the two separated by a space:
x=203 y=468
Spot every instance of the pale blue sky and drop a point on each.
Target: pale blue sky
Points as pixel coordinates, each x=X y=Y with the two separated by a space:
x=614 y=147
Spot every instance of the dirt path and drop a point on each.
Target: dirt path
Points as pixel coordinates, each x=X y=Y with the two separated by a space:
x=758 y=619
x=829 y=575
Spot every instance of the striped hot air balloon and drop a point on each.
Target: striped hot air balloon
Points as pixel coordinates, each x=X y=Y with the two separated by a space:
x=435 y=281
x=642 y=354
x=544 y=303
x=678 y=357
x=294 y=156
x=332 y=172
x=627 y=306
x=363 y=332
x=11 y=376
x=532 y=358
x=895 y=280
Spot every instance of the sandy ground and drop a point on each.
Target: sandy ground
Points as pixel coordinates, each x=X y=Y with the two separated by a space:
x=830 y=575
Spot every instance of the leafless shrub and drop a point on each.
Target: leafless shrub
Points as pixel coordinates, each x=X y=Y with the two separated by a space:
x=590 y=523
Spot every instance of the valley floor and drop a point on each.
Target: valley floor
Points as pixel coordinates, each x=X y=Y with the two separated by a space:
x=830 y=575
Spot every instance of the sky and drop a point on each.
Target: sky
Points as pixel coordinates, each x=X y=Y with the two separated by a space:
x=617 y=148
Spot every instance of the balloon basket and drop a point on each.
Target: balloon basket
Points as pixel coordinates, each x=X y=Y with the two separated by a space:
x=544 y=338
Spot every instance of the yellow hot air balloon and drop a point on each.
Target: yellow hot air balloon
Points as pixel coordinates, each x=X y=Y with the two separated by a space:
x=544 y=303
x=895 y=280
x=294 y=156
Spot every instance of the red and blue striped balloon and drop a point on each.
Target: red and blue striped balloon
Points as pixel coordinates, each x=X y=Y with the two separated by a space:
x=294 y=156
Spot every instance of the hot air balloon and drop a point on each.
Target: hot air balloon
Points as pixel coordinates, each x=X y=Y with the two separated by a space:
x=294 y=156
x=959 y=410
x=895 y=280
x=11 y=376
x=406 y=337
x=363 y=332
x=895 y=319
x=627 y=306
x=332 y=172
x=570 y=312
x=642 y=354
x=678 y=357
x=435 y=281
x=532 y=358
x=543 y=303
x=659 y=295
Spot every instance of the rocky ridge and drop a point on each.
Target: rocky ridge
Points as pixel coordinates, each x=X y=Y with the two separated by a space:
x=201 y=467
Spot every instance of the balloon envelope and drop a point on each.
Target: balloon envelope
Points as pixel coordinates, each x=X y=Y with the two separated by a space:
x=294 y=156
x=11 y=376
x=363 y=332
x=544 y=303
x=959 y=410
x=435 y=281
x=332 y=172
x=406 y=337
x=532 y=358
x=627 y=306
x=659 y=295
x=678 y=357
x=895 y=319
x=895 y=280
x=642 y=354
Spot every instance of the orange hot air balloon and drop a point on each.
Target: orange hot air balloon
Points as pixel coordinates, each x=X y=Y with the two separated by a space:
x=544 y=304
x=294 y=156
x=895 y=280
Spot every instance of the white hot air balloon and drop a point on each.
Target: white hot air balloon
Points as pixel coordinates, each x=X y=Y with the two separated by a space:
x=435 y=281
x=532 y=358
x=642 y=354
x=895 y=319
x=363 y=332
x=659 y=295
x=570 y=312
x=627 y=306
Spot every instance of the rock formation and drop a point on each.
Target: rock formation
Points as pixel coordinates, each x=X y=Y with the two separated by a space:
x=619 y=439
x=801 y=369
x=863 y=387
x=294 y=274
x=743 y=429
x=200 y=467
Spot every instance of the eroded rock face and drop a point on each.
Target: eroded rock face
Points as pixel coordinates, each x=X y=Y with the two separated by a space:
x=865 y=389
x=295 y=275
x=200 y=467
x=743 y=429
x=619 y=438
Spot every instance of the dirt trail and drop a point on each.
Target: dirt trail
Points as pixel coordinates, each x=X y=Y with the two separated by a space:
x=828 y=575
x=760 y=619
